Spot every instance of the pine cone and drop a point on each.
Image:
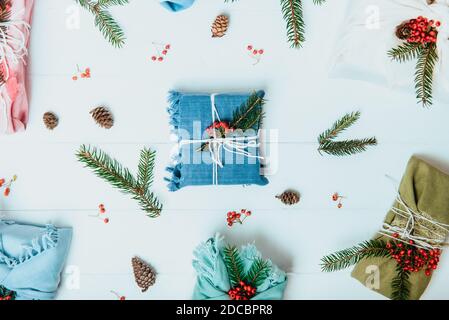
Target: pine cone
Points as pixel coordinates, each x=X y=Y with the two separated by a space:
x=403 y=31
x=220 y=26
x=143 y=273
x=103 y=117
x=51 y=121
x=289 y=197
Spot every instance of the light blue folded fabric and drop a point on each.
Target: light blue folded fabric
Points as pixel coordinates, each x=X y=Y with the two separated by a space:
x=190 y=115
x=32 y=259
x=212 y=276
x=176 y=5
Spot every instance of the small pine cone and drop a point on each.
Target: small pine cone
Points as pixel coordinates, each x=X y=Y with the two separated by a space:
x=51 y=121
x=143 y=273
x=403 y=31
x=103 y=117
x=220 y=26
x=289 y=197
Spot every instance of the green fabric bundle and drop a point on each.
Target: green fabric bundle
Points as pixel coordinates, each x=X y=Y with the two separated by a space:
x=423 y=189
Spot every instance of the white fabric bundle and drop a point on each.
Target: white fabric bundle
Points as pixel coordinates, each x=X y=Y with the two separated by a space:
x=369 y=33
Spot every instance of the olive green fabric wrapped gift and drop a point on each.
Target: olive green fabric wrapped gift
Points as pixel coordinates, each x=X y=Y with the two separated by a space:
x=424 y=189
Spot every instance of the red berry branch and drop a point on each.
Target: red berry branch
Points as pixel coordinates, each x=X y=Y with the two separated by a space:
x=234 y=217
x=242 y=292
x=412 y=258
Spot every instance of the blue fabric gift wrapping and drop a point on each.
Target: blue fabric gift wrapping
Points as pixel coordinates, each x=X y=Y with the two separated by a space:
x=32 y=259
x=212 y=277
x=176 y=5
x=194 y=168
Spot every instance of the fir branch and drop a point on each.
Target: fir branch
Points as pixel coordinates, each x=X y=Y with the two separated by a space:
x=258 y=272
x=119 y=177
x=104 y=20
x=339 y=126
x=234 y=265
x=328 y=145
x=425 y=66
x=346 y=148
x=345 y=258
x=146 y=168
x=401 y=284
x=249 y=114
x=405 y=52
x=293 y=16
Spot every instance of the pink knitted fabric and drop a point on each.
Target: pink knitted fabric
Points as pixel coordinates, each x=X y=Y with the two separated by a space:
x=13 y=94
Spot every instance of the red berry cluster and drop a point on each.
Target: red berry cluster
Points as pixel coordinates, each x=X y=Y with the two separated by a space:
x=422 y=30
x=336 y=197
x=101 y=211
x=242 y=292
x=220 y=128
x=234 y=217
x=7 y=185
x=8 y=297
x=254 y=53
x=412 y=258
x=83 y=74
x=161 y=54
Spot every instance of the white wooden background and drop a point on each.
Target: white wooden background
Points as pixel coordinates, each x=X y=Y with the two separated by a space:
x=54 y=187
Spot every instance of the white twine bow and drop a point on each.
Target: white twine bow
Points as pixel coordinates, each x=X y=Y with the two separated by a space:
x=414 y=220
x=13 y=45
x=234 y=145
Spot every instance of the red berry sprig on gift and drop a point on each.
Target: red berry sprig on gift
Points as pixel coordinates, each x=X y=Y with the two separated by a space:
x=233 y=217
x=7 y=185
x=412 y=258
x=420 y=30
x=242 y=291
x=220 y=128
x=6 y=295
x=162 y=51
x=119 y=297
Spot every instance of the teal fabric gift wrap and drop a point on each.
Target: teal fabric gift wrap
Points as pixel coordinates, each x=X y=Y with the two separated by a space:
x=212 y=276
x=176 y=5
x=190 y=116
x=32 y=259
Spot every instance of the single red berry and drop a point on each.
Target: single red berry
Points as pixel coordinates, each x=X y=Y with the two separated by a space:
x=261 y=51
x=250 y=47
x=255 y=51
x=340 y=205
x=164 y=52
x=154 y=58
x=160 y=59
x=335 y=196
x=106 y=220
x=438 y=23
x=74 y=78
x=7 y=192
x=167 y=47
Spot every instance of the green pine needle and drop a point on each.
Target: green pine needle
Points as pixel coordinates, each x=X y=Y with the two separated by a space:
x=405 y=52
x=258 y=273
x=327 y=143
x=424 y=73
x=401 y=284
x=345 y=258
x=293 y=16
x=104 y=21
x=121 y=178
x=250 y=114
x=234 y=265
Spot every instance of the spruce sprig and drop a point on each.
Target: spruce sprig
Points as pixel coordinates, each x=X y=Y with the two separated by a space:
x=401 y=284
x=256 y=275
x=121 y=178
x=104 y=21
x=250 y=114
x=327 y=143
x=427 y=58
x=348 y=257
x=234 y=265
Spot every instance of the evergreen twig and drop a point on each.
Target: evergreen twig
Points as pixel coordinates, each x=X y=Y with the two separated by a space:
x=348 y=257
x=250 y=113
x=113 y=172
x=401 y=284
x=258 y=273
x=104 y=21
x=327 y=143
x=234 y=265
x=424 y=72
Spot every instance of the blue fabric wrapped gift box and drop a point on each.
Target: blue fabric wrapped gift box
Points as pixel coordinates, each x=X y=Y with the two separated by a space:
x=190 y=116
x=32 y=259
